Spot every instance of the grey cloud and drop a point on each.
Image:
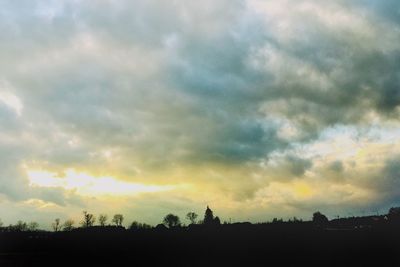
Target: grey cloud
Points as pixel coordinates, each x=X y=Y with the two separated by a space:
x=387 y=10
x=58 y=196
x=355 y=74
x=15 y=185
x=382 y=182
x=211 y=69
x=286 y=168
x=164 y=83
x=336 y=166
x=298 y=166
x=389 y=179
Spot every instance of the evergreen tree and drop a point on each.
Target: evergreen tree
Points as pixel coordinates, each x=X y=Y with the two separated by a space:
x=208 y=217
x=320 y=219
x=217 y=221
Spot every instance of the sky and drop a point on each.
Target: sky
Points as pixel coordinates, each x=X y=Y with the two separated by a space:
x=257 y=108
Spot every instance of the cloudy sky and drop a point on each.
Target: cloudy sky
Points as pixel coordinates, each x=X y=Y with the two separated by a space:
x=258 y=108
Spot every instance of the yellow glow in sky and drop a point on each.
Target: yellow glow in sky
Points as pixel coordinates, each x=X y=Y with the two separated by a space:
x=85 y=184
x=303 y=190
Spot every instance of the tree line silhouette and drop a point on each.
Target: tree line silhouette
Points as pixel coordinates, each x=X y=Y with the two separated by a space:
x=89 y=220
x=205 y=241
x=171 y=221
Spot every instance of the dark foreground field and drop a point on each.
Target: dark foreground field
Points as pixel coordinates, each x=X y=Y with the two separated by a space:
x=226 y=245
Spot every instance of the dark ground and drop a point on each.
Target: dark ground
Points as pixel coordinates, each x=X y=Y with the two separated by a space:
x=301 y=244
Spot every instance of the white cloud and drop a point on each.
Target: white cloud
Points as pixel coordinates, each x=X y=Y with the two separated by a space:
x=12 y=101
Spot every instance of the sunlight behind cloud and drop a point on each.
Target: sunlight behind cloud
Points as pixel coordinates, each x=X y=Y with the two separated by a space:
x=85 y=184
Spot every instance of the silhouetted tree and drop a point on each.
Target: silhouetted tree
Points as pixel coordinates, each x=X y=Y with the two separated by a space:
x=319 y=218
x=20 y=226
x=171 y=220
x=56 y=225
x=160 y=227
x=276 y=220
x=68 y=225
x=1 y=223
x=296 y=220
x=134 y=225
x=33 y=226
x=394 y=214
x=217 y=221
x=103 y=219
x=208 y=217
x=137 y=226
x=118 y=219
x=192 y=216
x=146 y=226
x=88 y=219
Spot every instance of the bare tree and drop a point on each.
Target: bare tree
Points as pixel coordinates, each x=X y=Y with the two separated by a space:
x=88 y=219
x=33 y=226
x=118 y=219
x=103 y=219
x=20 y=226
x=68 y=225
x=1 y=223
x=56 y=225
x=192 y=216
